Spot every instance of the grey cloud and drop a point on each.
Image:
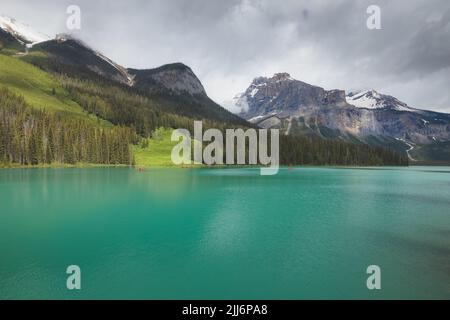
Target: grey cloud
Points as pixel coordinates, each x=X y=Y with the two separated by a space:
x=429 y=47
x=228 y=43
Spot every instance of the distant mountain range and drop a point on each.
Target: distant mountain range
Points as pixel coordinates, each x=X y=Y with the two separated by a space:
x=298 y=108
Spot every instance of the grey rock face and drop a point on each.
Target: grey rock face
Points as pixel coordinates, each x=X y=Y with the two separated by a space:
x=284 y=97
x=176 y=77
x=180 y=81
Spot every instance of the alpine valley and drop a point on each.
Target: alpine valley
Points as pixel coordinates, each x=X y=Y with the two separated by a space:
x=62 y=102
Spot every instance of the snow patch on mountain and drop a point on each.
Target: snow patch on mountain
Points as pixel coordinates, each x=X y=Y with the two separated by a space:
x=364 y=99
x=254 y=92
x=22 y=32
x=371 y=99
x=254 y=119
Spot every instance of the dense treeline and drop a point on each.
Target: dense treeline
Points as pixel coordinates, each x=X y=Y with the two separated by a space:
x=120 y=107
x=301 y=150
x=29 y=137
x=315 y=151
x=154 y=98
x=123 y=106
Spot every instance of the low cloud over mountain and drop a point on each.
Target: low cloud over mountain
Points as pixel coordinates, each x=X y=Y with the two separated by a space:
x=227 y=43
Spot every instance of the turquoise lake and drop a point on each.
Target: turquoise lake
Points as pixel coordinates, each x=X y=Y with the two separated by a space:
x=305 y=233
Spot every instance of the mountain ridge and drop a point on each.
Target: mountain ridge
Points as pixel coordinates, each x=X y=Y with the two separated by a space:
x=173 y=84
x=298 y=108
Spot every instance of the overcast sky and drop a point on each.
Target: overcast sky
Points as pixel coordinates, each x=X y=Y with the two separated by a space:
x=229 y=42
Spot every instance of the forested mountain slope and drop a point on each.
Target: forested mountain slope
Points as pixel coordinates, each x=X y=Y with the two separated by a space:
x=63 y=102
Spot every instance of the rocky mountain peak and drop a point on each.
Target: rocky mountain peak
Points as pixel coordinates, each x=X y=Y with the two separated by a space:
x=281 y=76
x=284 y=96
x=368 y=116
x=277 y=77
x=176 y=77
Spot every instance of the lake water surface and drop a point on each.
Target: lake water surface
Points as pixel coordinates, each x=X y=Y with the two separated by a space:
x=225 y=233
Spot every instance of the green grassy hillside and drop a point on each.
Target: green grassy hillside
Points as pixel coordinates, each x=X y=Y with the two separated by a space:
x=158 y=152
x=39 y=89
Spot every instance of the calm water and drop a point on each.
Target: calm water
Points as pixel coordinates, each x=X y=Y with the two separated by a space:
x=218 y=234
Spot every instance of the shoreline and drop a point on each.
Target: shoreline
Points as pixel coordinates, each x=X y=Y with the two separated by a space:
x=143 y=168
